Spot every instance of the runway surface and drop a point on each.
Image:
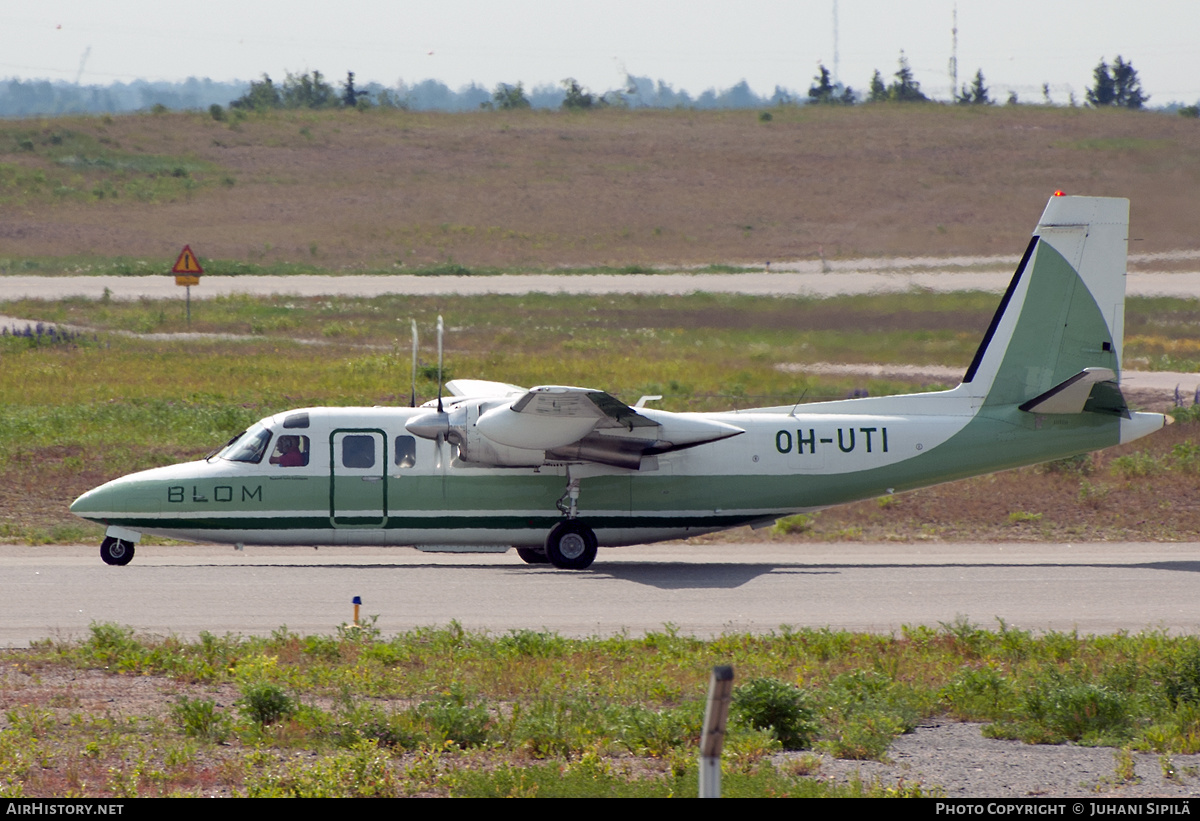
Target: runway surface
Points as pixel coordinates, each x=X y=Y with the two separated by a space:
x=700 y=590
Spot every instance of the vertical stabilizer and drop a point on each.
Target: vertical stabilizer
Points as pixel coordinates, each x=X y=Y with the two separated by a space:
x=1064 y=311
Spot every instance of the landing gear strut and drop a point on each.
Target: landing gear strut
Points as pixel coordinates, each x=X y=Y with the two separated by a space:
x=116 y=551
x=568 y=503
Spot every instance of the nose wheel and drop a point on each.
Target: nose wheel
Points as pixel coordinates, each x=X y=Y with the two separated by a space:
x=571 y=545
x=116 y=551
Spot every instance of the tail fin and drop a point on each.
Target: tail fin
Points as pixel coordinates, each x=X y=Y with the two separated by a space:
x=1060 y=325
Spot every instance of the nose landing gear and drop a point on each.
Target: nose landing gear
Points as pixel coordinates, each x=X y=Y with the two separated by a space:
x=116 y=551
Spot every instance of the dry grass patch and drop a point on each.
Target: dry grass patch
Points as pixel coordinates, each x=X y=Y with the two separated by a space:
x=394 y=190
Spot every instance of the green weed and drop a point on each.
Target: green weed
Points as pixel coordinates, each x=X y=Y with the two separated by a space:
x=781 y=708
x=199 y=718
x=265 y=703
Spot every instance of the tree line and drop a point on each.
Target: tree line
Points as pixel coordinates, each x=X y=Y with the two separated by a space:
x=1114 y=84
x=1117 y=85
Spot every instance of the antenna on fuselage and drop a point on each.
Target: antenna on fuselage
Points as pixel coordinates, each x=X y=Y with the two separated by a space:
x=412 y=402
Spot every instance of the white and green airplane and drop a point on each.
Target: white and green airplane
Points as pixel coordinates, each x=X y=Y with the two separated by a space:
x=559 y=471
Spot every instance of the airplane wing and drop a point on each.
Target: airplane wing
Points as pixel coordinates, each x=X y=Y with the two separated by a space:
x=584 y=424
x=481 y=387
x=554 y=401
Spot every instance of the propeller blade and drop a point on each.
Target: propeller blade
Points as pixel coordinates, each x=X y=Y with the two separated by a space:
x=441 y=331
x=412 y=402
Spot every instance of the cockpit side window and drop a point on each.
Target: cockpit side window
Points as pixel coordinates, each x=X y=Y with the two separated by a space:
x=249 y=447
x=291 y=451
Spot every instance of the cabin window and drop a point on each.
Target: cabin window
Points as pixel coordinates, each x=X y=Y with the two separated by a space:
x=249 y=447
x=296 y=420
x=406 y=451
x=291 y=451
x=358 y=452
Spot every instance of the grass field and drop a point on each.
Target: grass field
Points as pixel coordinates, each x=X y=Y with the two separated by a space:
x=392 y=190
x=445 y=712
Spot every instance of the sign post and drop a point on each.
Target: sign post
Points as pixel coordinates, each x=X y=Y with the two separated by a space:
x=187 y=272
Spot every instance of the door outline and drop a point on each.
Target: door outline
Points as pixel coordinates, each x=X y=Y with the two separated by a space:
x=355 y=479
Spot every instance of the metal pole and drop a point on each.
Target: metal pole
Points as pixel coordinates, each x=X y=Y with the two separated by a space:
x=189 y=306
x=712 y=742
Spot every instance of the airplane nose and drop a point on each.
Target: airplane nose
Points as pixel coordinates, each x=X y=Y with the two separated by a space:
x=91 y=503
x=112 y=499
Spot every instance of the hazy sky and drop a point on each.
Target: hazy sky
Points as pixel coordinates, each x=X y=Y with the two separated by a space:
x=693 y=46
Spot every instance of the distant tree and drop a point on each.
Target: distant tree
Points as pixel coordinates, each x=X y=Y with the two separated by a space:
x=977 y=94
x=510 y=98
x=308 y=91
x=1190 y=111
x=262 y=95
x=1118 y=87
x=782 y=97
x=578 y=98
x=351 y=96
x=826 y=92
x=613 y=99
x=905 y=89
x=1012 y=99
x=1103 y=92
x=1126 y=85
x=878 y=92
x=822 y=89
x=390 y=99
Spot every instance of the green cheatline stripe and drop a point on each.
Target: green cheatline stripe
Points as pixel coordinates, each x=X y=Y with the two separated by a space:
x=437 y=523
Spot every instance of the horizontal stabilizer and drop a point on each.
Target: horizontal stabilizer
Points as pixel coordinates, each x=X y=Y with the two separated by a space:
x=1070 y=395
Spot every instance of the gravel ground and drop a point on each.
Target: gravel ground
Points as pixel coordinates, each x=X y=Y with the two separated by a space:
x=958 y=761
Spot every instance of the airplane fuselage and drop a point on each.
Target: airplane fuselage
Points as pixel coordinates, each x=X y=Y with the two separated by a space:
x=400 y=490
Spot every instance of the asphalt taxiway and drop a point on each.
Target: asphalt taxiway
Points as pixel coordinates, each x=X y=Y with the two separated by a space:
x=703 y=590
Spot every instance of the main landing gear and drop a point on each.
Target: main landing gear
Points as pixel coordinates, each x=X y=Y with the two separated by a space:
x=116 y=551
x=571 y=545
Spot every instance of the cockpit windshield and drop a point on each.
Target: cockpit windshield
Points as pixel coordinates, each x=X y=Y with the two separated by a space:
x=249 y=447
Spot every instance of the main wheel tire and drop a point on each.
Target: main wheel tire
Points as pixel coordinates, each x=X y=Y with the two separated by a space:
x=571 y=545
x=116 y=551
x=533 y=555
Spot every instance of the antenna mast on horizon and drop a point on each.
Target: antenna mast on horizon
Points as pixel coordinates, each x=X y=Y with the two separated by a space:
x=954 y=54
x=836 y=75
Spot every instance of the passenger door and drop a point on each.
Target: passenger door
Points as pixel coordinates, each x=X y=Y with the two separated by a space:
x=358 y=478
